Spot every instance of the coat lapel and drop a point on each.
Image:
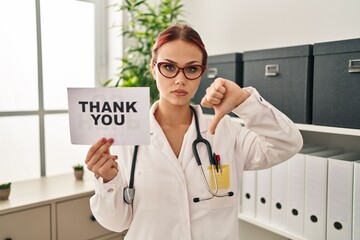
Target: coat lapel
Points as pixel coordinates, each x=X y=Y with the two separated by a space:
x=186 y=153
x=159 y=141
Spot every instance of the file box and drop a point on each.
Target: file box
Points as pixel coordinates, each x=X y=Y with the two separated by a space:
x=337 y=84
x=228 y=66
x=283 y=76
x=340 y=196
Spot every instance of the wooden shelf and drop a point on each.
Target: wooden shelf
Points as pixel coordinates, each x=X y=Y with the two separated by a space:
x=281 y=232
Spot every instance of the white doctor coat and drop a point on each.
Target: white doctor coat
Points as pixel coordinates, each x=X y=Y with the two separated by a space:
x=165 y=185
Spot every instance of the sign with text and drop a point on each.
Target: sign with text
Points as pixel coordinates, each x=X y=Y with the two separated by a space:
x=118 y=113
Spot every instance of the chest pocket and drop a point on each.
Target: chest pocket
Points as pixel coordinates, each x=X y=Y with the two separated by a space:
x=219 y=177
x=224 y=178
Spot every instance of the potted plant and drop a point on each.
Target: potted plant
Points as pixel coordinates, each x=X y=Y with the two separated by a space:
x=144 y=23
x=78 y=171
x=5 y=191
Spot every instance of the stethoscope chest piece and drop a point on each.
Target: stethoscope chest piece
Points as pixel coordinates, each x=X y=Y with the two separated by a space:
x=129 y=194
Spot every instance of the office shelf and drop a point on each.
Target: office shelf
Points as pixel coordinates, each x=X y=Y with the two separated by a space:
x=269 y=227
x=326 y=129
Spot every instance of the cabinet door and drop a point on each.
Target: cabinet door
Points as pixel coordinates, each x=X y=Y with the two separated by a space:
x=75 y=220
x=27 y=224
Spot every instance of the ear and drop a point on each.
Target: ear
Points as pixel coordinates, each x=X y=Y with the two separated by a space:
x=152 y=67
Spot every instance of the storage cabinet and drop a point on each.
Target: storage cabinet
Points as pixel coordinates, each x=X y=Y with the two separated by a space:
x=57 y=208
x=337 y=84
x=331 y=137
x=81 y=225
x=283 y=76
x=318 y=88
x=33 y=223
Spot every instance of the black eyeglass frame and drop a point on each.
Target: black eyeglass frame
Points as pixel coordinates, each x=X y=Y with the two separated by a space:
x=203 y=68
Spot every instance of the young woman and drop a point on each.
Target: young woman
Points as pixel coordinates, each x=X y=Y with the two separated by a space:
x=185 y=190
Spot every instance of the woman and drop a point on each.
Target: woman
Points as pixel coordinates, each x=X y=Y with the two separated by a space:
x=175 y=198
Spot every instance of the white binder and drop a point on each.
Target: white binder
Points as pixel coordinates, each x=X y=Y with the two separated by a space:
x=356 y=202
x=278 y=203
x=262 y=204
x=316 y=193
x=248 y=193
x=296 y=190
x=340 y=196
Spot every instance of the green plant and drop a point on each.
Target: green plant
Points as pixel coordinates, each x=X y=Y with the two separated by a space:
x=5 y=185
x=78 y=167
x=145 y=22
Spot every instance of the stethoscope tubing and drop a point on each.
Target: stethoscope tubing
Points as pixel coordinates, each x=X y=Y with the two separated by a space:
x=129 y=192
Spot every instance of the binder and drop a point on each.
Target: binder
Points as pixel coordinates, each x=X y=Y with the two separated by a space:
x=296 y=190
x=263 y=190
x=316 y=192
x=340 y=196
x=356 y=202
x=248 y=193
x=278 y=203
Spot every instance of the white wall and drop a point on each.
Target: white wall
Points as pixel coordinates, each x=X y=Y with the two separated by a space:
x=114 y=40
x=243 y=25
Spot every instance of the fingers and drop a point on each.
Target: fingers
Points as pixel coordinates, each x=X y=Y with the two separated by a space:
x=98 y=149
x=97 y=165
x=215 y=121
x=108 y=170
x=214 y=98
x=100 y=161
x=205 y=103
x=214 y=94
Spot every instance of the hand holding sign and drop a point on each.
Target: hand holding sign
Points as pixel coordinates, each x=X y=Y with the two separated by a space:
x=100 y=161
x=118 y=113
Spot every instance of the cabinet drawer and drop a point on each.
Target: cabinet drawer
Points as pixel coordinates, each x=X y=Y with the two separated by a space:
x=74 y=220
x=28 y=224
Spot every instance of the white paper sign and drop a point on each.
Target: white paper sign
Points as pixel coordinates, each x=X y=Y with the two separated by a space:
x=118 y=113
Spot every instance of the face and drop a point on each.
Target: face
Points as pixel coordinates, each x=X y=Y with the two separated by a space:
x=177 y=90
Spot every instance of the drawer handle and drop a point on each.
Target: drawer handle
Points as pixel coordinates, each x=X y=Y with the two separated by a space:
x=212 y=73
x=92 y=218
x=272 y=70
x=354 y=65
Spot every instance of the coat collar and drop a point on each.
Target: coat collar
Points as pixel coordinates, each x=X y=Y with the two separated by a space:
x=158 y=140
x=204 y=121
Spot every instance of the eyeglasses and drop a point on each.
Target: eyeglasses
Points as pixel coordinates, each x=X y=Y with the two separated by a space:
x=170 y=70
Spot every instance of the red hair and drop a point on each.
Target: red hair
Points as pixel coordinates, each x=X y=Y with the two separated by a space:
x=179 y=32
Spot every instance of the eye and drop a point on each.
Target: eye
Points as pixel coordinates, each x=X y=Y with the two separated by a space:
x=192 y=69
x=168 y=67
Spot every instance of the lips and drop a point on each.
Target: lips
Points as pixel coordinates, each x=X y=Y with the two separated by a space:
x=180 y=92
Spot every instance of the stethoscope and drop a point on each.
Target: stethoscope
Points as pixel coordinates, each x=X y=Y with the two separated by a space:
x=129 y=192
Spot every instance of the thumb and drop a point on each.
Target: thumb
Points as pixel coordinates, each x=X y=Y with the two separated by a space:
x=215 y=121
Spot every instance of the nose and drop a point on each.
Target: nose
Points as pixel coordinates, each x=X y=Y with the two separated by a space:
x=180 y=78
